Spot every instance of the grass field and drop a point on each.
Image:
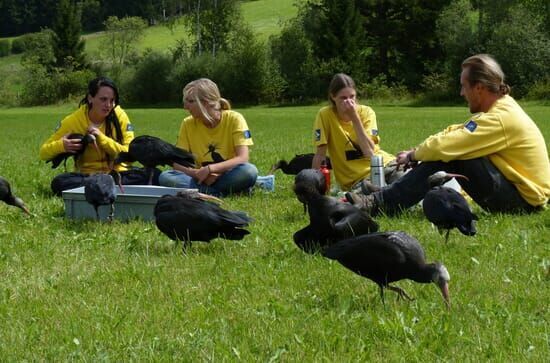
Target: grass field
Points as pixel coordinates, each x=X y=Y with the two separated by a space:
x=123 y=291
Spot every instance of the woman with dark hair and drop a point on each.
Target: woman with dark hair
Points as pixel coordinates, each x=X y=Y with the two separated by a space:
x=100 y=116
x=348 y=132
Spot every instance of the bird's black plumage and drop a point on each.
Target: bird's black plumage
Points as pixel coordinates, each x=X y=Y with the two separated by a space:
x=85 y=140
x=387 y=257
x=7 y=196
x=186 y=217
x=151 y=151
x=297 y=164
x=330 y=220
x=446 y=208
x=100 y=189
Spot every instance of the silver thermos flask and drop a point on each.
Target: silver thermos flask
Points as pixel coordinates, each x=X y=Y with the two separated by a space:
x=377 y=171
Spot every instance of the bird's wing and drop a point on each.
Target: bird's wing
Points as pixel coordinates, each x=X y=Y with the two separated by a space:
x=349 y=221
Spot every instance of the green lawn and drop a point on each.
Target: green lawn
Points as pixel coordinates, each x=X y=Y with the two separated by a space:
x=89 y=291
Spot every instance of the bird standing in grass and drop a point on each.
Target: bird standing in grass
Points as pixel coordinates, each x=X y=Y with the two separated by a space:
x=151 y=151
x=296 y=164
x=387 y=257
x=191 y=216
x=100 y=189
x=7 y=196
x=330 y=219
x=446 y=208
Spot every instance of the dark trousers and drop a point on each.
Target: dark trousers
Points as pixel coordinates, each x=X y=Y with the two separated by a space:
x=135 y=176
x=487 y=187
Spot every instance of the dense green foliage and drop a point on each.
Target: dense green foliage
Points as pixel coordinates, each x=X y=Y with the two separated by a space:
x=87 y=291
x=68 y=47
x=399 y=50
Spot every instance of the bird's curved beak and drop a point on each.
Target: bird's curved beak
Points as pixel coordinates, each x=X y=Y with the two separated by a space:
x=209 y=197
x=458 y=176
x=444 y=287
x=274 y=167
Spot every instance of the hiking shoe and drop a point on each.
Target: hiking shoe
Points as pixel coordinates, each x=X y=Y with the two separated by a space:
x=367 y=187
x=366 y=203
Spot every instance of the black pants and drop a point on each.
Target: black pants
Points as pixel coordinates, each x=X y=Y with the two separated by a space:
x=487 y=187
x=134 y=176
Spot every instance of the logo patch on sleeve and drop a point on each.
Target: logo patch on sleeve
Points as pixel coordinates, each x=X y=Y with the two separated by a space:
x=374 y=132
x=471 y=125
x=317 y=134
x=129 y=127
x=247 y=134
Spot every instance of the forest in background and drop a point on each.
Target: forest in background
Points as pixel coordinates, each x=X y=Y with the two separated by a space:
x=393 y=49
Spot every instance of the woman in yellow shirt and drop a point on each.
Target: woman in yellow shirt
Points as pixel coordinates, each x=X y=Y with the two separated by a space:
x=99 y=115
x=219 y=138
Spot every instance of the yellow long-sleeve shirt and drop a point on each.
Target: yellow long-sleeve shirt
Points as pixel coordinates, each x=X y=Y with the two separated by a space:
x=91 y=161
x=508 y=137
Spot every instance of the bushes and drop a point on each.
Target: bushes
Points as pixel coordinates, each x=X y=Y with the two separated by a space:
x=5 y=46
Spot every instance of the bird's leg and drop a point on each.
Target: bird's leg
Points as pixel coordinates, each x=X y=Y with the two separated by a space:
x=447 y=236
x=382 y=295
x=96 y=211
x=400 y=292
x=112 y=214
x=151 y=172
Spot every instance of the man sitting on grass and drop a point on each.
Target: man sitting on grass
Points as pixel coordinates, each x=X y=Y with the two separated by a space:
x=500 y=149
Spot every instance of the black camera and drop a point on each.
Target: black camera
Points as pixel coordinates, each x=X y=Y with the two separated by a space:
x=354 y=155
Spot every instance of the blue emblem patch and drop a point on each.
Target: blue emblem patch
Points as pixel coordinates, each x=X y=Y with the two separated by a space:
x=471 y=125
x=247 y=134
x=317 y=134
x=374 y=132
x=129 y=127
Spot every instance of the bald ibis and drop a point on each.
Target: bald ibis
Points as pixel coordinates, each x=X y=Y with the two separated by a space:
x=309 y=181
x=296 y=164
x=7 y=196
x=330 y=220
x=99 y=189
x=192 y=216
x=85 y=140
x=151 y=151
x=386 y=257
x=446 y=208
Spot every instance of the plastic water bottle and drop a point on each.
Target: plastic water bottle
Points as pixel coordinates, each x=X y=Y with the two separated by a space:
x=326 y=173
x=377 y=171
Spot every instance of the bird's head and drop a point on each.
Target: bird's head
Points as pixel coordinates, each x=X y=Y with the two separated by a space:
x=441 y=177
x=278 y=165
x=441 y=278
x=18 y=202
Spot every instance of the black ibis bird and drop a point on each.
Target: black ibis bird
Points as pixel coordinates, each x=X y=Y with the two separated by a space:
x=192 y=216
x=7 y=196
x=100 y=189
x=446 y=208
x=151 y=151
x=296 y=164
x=85 y=140
x=330 y=219
x=309 y=181
x=386 y=257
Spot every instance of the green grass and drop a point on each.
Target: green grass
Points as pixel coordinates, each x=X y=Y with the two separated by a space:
x=79 y=290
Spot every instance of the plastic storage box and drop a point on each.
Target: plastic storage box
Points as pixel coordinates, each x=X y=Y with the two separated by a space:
x=137 y=201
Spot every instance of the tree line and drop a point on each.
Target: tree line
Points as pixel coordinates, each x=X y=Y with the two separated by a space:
x=391 y=48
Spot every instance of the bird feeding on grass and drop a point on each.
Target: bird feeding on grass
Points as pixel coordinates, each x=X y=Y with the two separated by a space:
x=192 y=216
x=386 y=257
x=151 y=151
x=100 y=189
x=296 y=164
x=330 y=220
x=446 y=208
x=7 y=196
x=85 y=140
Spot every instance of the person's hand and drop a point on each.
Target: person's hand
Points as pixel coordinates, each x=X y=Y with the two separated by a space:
x=92 y=130
x=202 y=174
x=405 y=159
x=71 y=145
x=348 y=108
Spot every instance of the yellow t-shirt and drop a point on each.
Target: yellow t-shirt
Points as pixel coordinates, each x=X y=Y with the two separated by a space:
x=348 y=164
x=213 y=145
x=508 y=137
x=90 y=161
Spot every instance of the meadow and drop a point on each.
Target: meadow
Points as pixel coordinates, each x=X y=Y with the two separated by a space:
x=87 y=291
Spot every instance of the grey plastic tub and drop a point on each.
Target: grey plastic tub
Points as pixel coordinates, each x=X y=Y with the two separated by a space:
x=137 y=201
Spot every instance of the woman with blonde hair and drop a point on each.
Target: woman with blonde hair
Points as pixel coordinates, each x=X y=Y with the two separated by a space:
x=219 y=138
